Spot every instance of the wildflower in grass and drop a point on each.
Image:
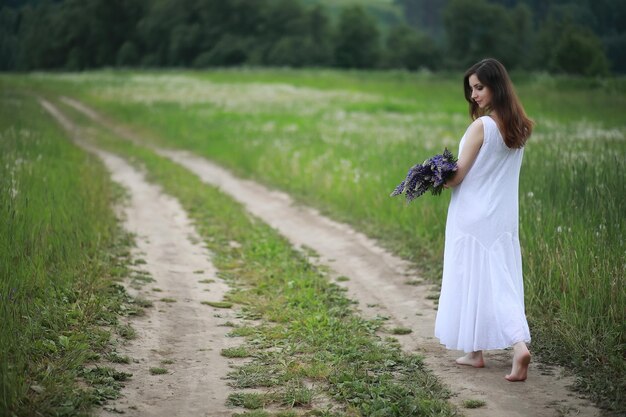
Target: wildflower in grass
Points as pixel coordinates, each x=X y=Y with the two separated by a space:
x=431 y=175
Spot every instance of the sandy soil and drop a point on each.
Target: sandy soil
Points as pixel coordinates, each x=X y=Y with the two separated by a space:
x=186 y=334
x=378 y=281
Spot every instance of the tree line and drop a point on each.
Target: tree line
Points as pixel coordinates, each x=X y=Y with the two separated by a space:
x=83 y=34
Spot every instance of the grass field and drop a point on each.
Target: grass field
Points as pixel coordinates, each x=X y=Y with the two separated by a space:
x=301 y=334
x=60 y=250
x=342 y=140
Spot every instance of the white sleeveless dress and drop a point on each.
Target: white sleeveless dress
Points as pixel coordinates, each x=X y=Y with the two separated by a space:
x=481 y=305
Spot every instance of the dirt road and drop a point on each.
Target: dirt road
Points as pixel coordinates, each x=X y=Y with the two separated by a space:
x=180 y=335
x=378 y=280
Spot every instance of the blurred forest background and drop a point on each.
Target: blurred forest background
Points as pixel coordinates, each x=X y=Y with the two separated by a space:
x=586 y=37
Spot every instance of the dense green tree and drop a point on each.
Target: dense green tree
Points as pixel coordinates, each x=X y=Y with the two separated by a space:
x=75 y=34
x=304 y=42
x=80 y=34
x=477 y=29
x=570 y=48
x=424 y=15
x=409 y=49
x=8 y=38
x=229 y=50
x=521 y=32
x=356 y=40
x=127 y=56
x=284 y=31
x=616 y=51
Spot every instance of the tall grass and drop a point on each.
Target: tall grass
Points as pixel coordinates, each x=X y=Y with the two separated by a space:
x=56 y=234
x=342 y=140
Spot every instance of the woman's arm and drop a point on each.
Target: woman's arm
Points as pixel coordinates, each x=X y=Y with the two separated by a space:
x=473 y=142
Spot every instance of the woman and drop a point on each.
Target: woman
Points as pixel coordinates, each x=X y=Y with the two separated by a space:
x=481 y=306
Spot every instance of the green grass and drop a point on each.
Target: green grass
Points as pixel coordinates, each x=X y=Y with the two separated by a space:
x=401 y=330
x=308 y=330
x=117 y=358
x=61 y=251
x=235 y=352
x=217 y=304
x=341 y=140
x=474 y=403
x=249 y=400
x=158 y=371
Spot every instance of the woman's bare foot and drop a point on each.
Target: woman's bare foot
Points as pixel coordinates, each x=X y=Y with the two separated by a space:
x=474 y=359
x=521 y=359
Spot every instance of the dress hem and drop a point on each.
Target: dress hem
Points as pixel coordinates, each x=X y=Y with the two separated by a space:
x=497 y=347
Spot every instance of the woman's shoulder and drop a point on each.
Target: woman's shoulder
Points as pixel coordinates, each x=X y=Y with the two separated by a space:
x=475 y=132
x=476 y=128
x=491 y=126
x=488 y=120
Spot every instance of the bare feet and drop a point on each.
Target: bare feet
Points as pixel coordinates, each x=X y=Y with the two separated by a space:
x=521 y=359
x=474 y=359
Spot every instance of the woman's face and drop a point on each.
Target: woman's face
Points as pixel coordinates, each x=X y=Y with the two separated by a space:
x=481 y=94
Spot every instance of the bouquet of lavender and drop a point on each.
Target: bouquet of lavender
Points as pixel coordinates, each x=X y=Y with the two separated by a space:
x=431 y=175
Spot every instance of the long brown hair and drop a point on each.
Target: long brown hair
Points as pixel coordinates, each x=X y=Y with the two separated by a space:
x=515 y=125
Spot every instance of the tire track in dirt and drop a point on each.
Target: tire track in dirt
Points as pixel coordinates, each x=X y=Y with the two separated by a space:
x=185 y=334
x=378 y=282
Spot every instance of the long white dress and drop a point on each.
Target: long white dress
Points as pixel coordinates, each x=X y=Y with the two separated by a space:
x=481 y=305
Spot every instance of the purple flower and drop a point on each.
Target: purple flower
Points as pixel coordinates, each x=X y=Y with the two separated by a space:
x=431 y=175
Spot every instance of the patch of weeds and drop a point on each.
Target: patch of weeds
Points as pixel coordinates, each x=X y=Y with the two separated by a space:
x=235 y=352
x=105 y=383
x=117 y=358
x=413 y=282
x=140 y=278
x=206 y=281
x=342 y=278
x=393 y=342
x=228 y=324
x=297 y=395
x=126 y=331
x=199 y=271
x=248 y=314
x=133 y=310
x=157 y=371
x=401 y=330
x=142 y=302
x=168 y=300
x=474 y=403
x=139 y=261
x=432 y=297
x=167 y=361
x=249 y=400
x=156 y=289
x=257 y=375
x=217 y=304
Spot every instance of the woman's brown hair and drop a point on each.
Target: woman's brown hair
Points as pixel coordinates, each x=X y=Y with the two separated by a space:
x=515 y=125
